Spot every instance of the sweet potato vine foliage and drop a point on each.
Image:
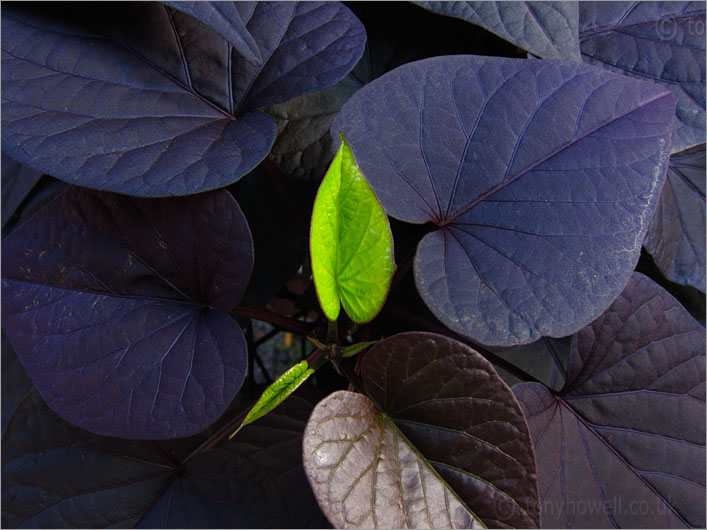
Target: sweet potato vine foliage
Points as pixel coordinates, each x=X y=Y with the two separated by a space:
x=291 y=264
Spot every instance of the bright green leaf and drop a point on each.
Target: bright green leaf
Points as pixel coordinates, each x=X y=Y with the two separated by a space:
x=350 y=242
x=276 y=393
x=352 y=350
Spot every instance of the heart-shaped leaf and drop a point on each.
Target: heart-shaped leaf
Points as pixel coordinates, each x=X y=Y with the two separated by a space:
x=366 y=475
x=115 y=307
x=350 y=243
x=676 y=236
x=567 y=174
x=623 y=444
x=57 y=476
x=446 y=402
x=161 y=104
x=659 y=41
x=545 y=29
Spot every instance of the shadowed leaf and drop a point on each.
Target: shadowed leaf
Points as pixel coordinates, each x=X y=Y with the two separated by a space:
x=545 y=29
x=115 y=307
x=58 y=476
x=676 y=236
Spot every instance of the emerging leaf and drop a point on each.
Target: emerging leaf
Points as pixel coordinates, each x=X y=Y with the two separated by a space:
x=350 y=242
x=356 y=348
x=276 y=393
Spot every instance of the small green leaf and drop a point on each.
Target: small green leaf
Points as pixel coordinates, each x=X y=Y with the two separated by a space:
x=350 y=242
x=352 y=350
x=276 y=393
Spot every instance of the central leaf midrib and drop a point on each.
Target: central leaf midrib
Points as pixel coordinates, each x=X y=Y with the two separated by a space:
x=501 y=185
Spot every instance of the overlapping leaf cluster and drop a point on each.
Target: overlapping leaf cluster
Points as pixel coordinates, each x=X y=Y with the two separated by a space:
x=160 y=162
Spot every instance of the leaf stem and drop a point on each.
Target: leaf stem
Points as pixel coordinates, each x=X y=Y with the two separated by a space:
x=281 y=321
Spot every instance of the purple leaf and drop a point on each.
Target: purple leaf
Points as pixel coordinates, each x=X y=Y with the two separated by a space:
x=224 y=19
x=676 y=236
x=545 y=359
x=367 y=475
x=519 y=164
x=546 y=29
x=159 y=104
x=15 y=382
x=460 y=419
x=659 y=41
x=115 y=307
x=58 y=476
x=623 y=444
x=17 y=181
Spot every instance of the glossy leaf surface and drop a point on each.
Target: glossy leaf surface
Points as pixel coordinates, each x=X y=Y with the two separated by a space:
x=623 y=444
x=545 y=29
x=58 y=476
x=278 y=391
x=659 y=41
x=115 y=307
x=366 y=475
x=161 y=103
x=462 y=418
x=350 y=243
x=676 y=236
x=456 y=413
x=567 y=173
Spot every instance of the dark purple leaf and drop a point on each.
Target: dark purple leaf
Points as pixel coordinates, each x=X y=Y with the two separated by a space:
x=224 y=19
x=623 y=445
x=366 y=475
x=58 y=476
x=161 y=103
x=17 y=181
x=546 y=29
x=303 y=145
x=545 y=359
x=659 y=41
x=115 y=306
x=676 y=236
x=520 y=164
x=457 y=414
x=15 y=382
